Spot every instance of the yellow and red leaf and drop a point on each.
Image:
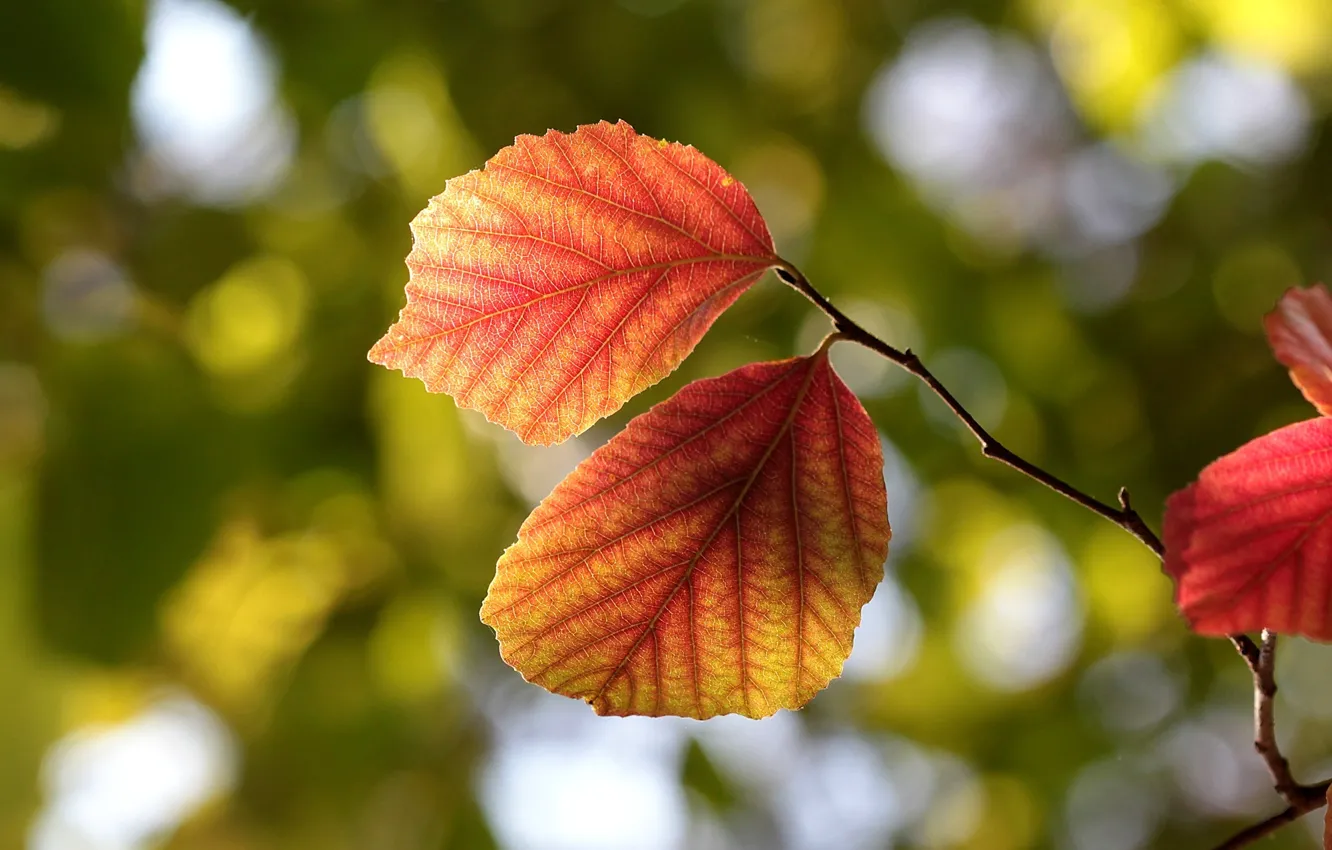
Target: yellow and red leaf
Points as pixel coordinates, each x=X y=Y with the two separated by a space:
x=1249 y=544
x=571 y=273
x=1300 y=333
x=710 y=559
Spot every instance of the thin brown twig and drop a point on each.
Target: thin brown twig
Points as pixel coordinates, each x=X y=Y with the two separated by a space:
x=1264 y=718
x=1261 y=659
x=1250 y=834
x=1300 y=799
x=1316 y=799
x=1124 y=516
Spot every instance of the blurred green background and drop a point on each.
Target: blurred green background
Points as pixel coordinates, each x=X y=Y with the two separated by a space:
x=240 y=566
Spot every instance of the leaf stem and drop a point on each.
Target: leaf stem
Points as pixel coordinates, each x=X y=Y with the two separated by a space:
x=1261 y=659
x=1124 y=516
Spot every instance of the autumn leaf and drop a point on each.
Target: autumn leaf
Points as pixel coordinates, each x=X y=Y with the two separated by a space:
x=1300 y=333
x=571 y=273
x=1249 y=545
x=710 y=559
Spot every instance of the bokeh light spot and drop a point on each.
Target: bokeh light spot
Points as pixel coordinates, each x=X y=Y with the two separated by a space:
x=1026 y=625
x=128 y=786
x=86 y=297
x=205 y=105
x=1249 y=280
x=250 y=318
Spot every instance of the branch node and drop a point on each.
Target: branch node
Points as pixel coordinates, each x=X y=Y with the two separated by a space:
x=1301 y=799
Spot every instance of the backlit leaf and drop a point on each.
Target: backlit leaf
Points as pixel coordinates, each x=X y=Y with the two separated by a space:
x=1300 y=333
x=571 y=273
x=1249 y=544
x=710 y=559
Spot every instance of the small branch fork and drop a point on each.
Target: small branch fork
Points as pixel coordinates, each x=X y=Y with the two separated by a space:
x=1261 y=658
x=1300 y=799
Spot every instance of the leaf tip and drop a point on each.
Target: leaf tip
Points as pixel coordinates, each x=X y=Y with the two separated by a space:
x=381 y=353
x=1299 y=332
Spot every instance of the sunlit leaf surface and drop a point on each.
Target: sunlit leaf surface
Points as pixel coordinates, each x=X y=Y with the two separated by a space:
x=1300 y=332
x=1249 y=544
x=710 y=559
x=571 y=273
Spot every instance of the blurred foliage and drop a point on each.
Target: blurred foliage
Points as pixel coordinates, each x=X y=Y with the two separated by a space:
x=206 y=490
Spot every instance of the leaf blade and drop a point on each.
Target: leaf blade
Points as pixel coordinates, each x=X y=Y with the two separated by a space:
x=1249 y=544
x=571 y=273
x=710 y=559
x=1299 y=331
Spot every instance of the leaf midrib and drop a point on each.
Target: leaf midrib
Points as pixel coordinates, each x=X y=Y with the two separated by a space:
x=814 y=362
x=587 y=284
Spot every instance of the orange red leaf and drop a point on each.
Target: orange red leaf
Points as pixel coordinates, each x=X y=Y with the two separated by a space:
x=1300 y=333
x=1249 y=544
x=571 y=273
x=712 y=558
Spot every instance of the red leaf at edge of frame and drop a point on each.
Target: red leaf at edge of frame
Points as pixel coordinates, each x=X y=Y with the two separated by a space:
x=570 y=274
x=1249 y=544
x=1299 y=330
x=712 y=558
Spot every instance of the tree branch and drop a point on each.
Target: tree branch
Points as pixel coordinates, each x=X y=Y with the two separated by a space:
x=1300 y=799
x=1248 y=835
x=1261 y=659
x=1124 y=516
x=1264 y=719
x=1316 y=798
